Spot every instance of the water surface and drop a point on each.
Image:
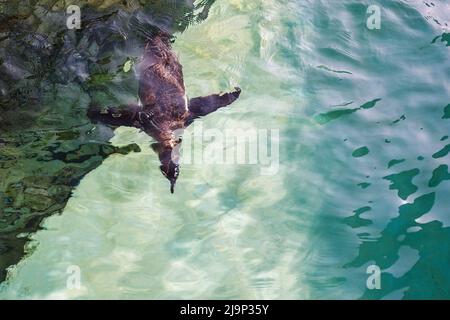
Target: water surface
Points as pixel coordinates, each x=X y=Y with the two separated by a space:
x=363 y=121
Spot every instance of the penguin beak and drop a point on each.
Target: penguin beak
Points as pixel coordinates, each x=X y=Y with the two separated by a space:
x=172 y=185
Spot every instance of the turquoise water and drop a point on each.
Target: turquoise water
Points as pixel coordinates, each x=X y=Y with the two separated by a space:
x=363 y=164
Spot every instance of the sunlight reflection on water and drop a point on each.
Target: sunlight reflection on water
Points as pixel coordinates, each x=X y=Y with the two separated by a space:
x=229 y=232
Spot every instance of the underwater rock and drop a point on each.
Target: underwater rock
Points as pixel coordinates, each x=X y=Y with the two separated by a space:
x=48 y=77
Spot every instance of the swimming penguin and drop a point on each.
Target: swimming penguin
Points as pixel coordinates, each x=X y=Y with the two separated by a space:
x=164 y=107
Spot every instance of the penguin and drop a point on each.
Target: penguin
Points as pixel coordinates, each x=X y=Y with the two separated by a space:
x=164 y=107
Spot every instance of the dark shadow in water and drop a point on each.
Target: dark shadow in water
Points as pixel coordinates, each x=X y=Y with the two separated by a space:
x=403 y=182
x=356 y=221
x=48 y=77
x=443 y=152
x=428 y=278
x=439 y=175
x=326 y=117
x=445 y=37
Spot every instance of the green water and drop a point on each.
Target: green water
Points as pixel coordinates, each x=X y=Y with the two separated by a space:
x=362 y=177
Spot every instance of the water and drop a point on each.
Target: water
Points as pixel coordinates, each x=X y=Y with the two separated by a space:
x=363 y=123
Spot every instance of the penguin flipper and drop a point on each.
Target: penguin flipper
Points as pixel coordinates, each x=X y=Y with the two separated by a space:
x=116 y=116
x=202 y=106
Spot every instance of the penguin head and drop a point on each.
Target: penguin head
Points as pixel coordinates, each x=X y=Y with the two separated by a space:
x=171 y=171
x=169 y=165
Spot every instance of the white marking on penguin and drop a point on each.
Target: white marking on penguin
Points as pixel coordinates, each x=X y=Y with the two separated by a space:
x=186 y=102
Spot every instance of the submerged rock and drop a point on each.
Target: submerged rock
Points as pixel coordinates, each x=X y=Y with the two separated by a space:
x=48 y=77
